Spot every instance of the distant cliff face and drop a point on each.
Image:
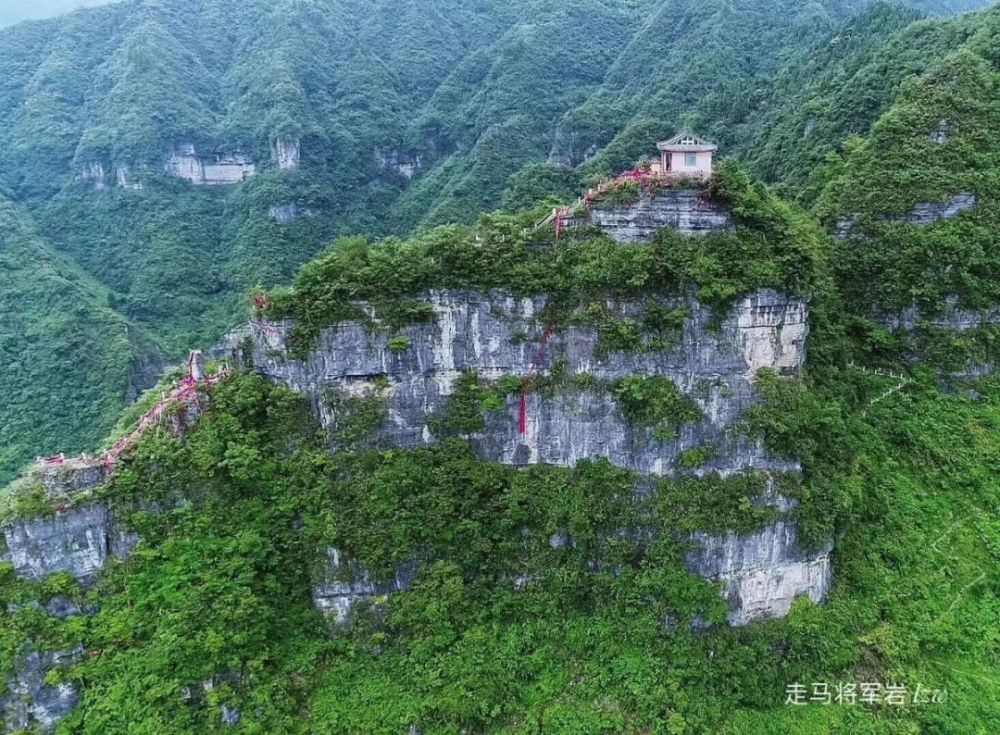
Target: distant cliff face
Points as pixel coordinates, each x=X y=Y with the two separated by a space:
x=497 y=336
x=185 y=163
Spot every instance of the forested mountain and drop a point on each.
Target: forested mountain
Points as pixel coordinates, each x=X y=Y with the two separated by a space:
x=376 y=118
x=69 y=359
x=476 y=471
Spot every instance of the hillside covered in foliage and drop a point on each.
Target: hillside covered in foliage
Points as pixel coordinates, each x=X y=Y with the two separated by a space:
x=401 y=116
x=608 y=633
x=539 y=607
x=68 y=357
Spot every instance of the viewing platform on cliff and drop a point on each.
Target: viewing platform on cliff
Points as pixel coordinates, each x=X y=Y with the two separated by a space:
x=668 y=193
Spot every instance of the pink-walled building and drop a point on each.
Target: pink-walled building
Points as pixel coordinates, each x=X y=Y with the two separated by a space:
x=686 y=154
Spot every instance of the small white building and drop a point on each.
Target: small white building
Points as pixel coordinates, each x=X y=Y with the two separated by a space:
x=686 y=155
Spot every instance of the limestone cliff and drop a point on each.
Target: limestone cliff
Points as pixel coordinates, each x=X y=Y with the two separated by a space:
x=683 y=210
x=924 y=214
x=185 y=163
x=287 y=152
x=496 y=335
x=710 y=360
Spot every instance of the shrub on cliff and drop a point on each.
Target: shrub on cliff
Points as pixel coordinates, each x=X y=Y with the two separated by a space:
x=775 y=246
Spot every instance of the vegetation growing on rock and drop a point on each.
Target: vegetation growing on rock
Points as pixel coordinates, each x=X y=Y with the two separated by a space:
x=538 y=606
x=221 y=588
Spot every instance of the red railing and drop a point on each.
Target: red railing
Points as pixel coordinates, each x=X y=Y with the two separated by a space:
x=645 y=180
x=183 y=394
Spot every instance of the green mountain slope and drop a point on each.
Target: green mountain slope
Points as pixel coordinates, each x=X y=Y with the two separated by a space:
x=839 y=88
x=468 y=98
x=914 y=204
x=219 y=589
x=69 y=360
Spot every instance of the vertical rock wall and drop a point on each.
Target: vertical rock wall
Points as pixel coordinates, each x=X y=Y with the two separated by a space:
x=78 y=542
x=686 y=211
x=499 y=335
x=287 y=152
x=762 y=573
x=185 y=163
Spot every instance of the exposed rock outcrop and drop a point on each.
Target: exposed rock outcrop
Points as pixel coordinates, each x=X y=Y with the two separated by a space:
x=404 y=164
x=30 y=702
x=928 y=213
x=570 y=149
x=123 y=177
x=78 y=542
x=185 y=163
x=472 y=332
x=498 y=335
x=287 y=152
x=93 y=174
x=343 y=585
x=922 y=215
x=683 y=210
x=712 y=362
x=66 y=481
x=285 y=214
x=952 y=318
x=762 y=573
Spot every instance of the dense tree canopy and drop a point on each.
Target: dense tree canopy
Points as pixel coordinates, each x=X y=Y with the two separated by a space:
x=482 y=102
x=859 y=111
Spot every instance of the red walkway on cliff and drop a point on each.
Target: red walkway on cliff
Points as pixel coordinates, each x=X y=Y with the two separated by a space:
x=184 y=393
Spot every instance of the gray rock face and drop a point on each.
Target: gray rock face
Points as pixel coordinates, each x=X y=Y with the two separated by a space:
x=928 y=213
x=940 y=133
x=287 y=152
x=30 y=702
x=78 y=542
x=472 y=332
x=922 y=215
x=497 y=335
x=185 y=163
x=569 y=149
x=123 y=177
x=96 y=175
x=144 y=372
x=404 y=164
x=952 y=318
x=285 y=214
x=683 y=210
x=63 y=608
x=71 y=479
x=230 y=717
x=93 y=174
x=762 y=573
x=343 y=585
